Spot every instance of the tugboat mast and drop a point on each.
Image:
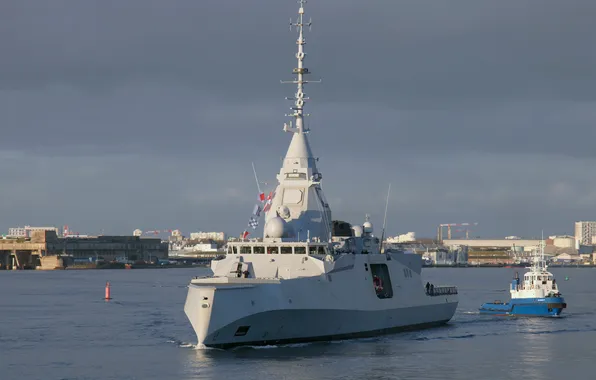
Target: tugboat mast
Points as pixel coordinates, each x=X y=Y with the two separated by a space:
x=300 y=71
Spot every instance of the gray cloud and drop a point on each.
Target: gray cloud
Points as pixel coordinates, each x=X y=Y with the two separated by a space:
x=505 y=194
x=117 y=114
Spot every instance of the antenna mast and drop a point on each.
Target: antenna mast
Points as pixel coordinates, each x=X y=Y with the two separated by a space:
x=385 y=218
x=542 y=261
x=300 y=71
x=256 y=178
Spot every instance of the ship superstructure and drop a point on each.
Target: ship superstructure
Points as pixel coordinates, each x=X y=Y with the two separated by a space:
x=310 y=278
x=299 y=204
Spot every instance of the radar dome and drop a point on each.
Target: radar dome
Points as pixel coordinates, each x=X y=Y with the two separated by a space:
x=368 y=227
x=275 y=228
x=357 y=231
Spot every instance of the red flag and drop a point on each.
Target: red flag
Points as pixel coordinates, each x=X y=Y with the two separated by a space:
x=268 y=204
x=244 y=234
x=262 y=197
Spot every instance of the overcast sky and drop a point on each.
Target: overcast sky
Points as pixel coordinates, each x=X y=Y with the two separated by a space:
x=116 y=115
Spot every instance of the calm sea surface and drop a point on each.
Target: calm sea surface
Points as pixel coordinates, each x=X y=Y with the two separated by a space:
x=55 y=325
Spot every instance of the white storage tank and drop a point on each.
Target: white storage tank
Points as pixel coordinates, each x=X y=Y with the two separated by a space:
x=564 y=241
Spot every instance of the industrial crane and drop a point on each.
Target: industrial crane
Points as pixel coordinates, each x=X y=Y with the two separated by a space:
x=449 y=225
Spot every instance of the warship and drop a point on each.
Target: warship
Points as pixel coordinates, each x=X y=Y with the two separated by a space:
x=310 y=278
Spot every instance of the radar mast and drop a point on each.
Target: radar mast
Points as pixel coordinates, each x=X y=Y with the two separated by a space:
x=299 y=97
x=298 y=206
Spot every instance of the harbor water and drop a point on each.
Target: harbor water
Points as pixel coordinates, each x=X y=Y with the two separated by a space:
x=56 y=325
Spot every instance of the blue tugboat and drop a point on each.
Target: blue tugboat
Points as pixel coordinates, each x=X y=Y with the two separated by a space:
x=536 y=296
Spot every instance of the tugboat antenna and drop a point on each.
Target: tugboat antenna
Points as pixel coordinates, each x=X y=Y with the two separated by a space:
x=543 y=262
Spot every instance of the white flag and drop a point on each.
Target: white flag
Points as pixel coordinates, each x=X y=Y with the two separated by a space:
x=257 y=210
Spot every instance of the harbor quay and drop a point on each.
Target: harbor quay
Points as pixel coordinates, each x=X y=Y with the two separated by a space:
x=45 y=250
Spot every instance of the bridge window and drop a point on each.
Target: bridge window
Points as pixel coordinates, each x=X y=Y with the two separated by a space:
x=296 y=176
x=230 y=250
x=321 y=251
x=286 y=250
x=258 y=250
x=312 y=250
x=300 y=250
x=381 y=280
x=245 y=249
x=272 y=250
x=235 y=249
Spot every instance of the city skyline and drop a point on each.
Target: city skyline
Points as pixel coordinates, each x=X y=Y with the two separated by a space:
x=457 y=233
x=148 y=115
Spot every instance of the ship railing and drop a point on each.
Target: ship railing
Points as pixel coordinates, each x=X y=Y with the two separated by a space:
x=442 y=291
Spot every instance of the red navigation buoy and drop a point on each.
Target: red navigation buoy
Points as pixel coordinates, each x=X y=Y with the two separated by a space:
x=108 y=296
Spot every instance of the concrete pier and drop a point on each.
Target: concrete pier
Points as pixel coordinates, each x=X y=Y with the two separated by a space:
x=45 y=250
x=20 y=255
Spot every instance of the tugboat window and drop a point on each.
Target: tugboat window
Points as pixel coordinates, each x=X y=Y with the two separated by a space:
x=272 y=250
x=286 y=250
x=300 y=250
x=245 y=249
x=321 y=251
x=259 y=250
x=312 y=250
x=235 y=250
x=381 y=280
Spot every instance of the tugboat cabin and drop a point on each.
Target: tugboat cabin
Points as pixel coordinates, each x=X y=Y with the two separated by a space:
x=536 y=280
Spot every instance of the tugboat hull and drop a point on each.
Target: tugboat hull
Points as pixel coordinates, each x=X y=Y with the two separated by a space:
x=529 y=307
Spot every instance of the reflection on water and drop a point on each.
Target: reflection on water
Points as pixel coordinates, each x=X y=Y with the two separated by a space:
x=534 y=347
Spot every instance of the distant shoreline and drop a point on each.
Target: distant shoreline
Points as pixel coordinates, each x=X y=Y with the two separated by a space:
x=506 y=266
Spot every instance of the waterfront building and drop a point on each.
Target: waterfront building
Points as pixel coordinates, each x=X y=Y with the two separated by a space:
x=25 y=232
x=585 y=233
x=44 y=245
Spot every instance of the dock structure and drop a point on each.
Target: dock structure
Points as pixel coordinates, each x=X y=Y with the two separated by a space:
x=45 y=250
x=22 y=253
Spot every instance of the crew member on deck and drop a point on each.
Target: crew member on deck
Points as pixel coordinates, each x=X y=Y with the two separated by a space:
x=378 y=284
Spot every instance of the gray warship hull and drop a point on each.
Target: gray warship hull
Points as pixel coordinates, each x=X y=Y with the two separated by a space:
x=289 y=326
x=339 y=302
